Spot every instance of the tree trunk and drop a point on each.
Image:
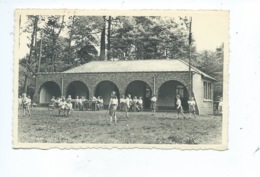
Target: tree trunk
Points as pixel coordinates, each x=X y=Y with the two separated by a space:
x=52 y=49
x=25 y=88
x=28 y=63
x=71 y=33
x=40 y=55
x=108 y=38
x=54 y=40
x=103 y=41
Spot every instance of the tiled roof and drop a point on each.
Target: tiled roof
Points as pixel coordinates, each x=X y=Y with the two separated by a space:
x=135 y=66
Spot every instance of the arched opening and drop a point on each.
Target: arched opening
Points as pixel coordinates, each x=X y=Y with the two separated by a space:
x=105 y=89
x=140 y=89
x=77 y=88
x=167 y=95
x=48 y=90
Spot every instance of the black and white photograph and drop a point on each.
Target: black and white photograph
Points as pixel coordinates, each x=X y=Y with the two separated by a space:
x=121 y=79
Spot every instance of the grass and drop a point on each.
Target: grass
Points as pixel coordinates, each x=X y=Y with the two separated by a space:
x=92 y=127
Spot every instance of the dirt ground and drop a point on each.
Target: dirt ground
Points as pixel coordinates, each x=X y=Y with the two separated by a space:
x=45 y=126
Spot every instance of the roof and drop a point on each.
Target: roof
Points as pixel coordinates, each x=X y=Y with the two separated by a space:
x=122 y=66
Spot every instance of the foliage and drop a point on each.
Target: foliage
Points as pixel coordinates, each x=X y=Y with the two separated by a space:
x=212 y=64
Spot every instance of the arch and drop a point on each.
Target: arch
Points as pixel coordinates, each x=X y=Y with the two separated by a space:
x=104 y=89
x=77 y=88
x=140 y=88
x=167 y=95
x=48 y=90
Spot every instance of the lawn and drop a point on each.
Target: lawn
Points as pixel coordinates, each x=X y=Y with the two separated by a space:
x=92 y=127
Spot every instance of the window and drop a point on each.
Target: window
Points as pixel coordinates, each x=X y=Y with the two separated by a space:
x=207 y=91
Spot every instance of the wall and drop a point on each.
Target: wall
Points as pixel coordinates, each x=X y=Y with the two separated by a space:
x=121 y=80
x=204 y=106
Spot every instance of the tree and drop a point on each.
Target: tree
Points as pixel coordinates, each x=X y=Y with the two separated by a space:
x=83 y=34
x=32 y=28
x=108 y=37
x=148 y=38
x=211 y=62
x=103 y=40
x=52 y=31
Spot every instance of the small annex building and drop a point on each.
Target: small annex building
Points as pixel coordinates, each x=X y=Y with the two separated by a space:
x=166 y=78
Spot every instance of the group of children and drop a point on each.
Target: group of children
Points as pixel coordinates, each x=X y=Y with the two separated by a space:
x=191 y=103
x=25 y=103
x=64 y=105
x=96 y=103
x=135 y=104
x=126 y=104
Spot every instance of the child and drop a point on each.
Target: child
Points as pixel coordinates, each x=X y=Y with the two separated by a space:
x=126 y=106
x=130 y=102
x=25 y=103
x=100 y=102
x=179 y=106
x=113 y=107
x=81 y=103
x=153 y=104
x=68 y=106
x=140 y=104
x=192 y=107
x=69 y=98
x=77 y=103
x=134 y=104
x=52 y=104
x=62 y=106
x=122 y=103
x=57 y=102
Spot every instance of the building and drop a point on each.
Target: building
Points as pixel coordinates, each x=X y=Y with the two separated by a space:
x=165 y=78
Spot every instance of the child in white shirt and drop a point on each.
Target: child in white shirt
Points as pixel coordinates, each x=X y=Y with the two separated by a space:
x=140 y=103
x=192 y=107
x=179 y=107
x=26 y=104
x=113 y=107
x=153 y=104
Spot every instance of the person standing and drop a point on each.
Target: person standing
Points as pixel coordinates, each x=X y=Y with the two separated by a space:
x=153 y=104
x=77 y=103
x=126 y=106
x=140 y=103
x=26 y=104
x=113 y=103
x=134 y=104
x=192 y=107
x=179 y=107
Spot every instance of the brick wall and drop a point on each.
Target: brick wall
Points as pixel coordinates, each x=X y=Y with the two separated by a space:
x=121 y=80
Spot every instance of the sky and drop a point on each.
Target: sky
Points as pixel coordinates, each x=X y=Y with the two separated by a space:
x=209 y=28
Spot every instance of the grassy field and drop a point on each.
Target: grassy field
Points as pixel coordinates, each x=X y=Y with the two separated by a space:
x=92 y=127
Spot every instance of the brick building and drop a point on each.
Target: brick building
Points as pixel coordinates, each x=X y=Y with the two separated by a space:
x=165 y=78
